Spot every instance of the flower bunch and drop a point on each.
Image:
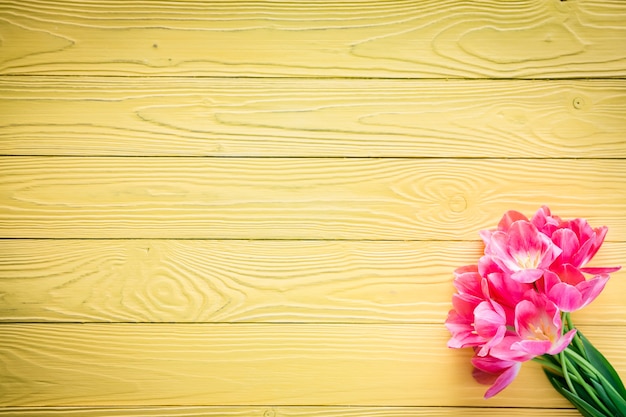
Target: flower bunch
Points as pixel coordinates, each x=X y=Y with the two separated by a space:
x=513 y=306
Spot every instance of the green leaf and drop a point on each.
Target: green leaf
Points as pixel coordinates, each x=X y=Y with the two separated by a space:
x=619 y=402
x=586 y=409
x=611 y=399
x=599 y=362
x=606 y=400
x=578 y=389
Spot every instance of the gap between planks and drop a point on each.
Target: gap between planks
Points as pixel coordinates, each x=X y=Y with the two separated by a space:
x=285 y=411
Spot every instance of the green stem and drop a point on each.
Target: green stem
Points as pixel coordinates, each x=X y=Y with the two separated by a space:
x=549 y=365
x=576 y=341
x=588 y=367
x=564 y=370
x=586 y=386
x=563 y=359
x=567 y=322
x=591 y=369
x=557 y=369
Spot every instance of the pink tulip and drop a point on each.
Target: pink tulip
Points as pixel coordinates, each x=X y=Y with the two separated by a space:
x=500 y=367
x=569 y=290
x=495 y=372
x=578 y=241
x=475 y=319
x=545 y=221
x=539 y=327
x=490 y=324
x=565 y=283
x=467 y=280
x=509 y=218
x=508 y=307
x=460 y=322
x=507 y=293
x=522 y=251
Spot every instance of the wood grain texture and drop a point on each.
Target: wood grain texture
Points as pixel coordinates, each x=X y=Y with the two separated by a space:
x=258 y=281
x=286 y=198
x=260 y=117
x=325 y=411
x=257 y=364
x=254 y=208
x=367 y=38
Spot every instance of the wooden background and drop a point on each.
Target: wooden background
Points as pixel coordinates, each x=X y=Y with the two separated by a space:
x=254 y=208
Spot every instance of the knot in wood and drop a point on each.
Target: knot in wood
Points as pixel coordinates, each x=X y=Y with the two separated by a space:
x=457 y=203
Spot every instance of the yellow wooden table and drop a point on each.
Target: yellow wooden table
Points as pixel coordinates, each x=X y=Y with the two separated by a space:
x=254 y=208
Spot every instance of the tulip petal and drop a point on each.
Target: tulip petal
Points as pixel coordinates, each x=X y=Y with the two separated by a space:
x=463 y=334
x=503 y=350
x=465 y=304
x=506 y=291
x=562 y=343
x=487 y=320
x=567 y=240
x=490 y=365
x=525 y=312
x=533 y=347
x=468 y=281
x=485 y=235
x=495 y=372
x=567 y=297
x=550 y=279
x=600 y=270
x=545 y=221
x=486 y=266
x=586 y=251
x=571 y=297
x=527 y=276
x=499 y=249
x=589 y=290
x=504 y=380
x=570 y=274
x=523 y=237
x=509 y=218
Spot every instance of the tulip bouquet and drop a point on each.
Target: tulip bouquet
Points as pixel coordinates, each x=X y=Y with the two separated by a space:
x=514 y=305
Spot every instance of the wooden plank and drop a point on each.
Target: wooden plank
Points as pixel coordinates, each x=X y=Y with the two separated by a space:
x=362 y=38
x=257 y=281
x=285 y=412
x=257 y=364
x=218 y=117
x=286 y=198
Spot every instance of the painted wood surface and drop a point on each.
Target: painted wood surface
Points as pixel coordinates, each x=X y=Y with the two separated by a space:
x=312 y=118
x=250 y=281
x=363 y=38
x=294 y=198
x=252 y=364
x=228 y=208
